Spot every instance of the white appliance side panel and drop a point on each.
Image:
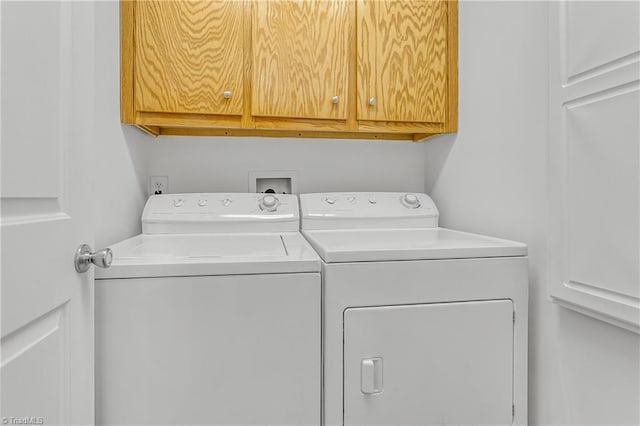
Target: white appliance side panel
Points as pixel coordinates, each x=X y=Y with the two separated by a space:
x=444 y=363
x=218 y=350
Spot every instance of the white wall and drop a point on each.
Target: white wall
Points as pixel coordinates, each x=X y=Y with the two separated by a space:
x=120 y=153
x=491 y=178
x=208 y=164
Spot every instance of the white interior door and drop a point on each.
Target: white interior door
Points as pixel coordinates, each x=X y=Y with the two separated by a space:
x=442 y=363
x=594 y=159
x=47 y=308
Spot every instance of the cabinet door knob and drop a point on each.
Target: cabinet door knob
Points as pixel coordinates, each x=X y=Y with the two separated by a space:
x=335 y=99
x=227 y=94
x=372 y=101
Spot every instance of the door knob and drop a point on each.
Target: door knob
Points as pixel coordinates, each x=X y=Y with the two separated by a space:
x=372 y=101
x=226 y=94
x=84 y=258
x=335 y=99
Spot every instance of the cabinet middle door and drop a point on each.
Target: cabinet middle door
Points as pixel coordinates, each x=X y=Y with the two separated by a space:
x=188 y=53
x=401 y=49
x=300 y=58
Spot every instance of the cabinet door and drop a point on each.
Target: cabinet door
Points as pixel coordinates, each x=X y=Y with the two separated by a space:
x=187 y=55
x=300 y=58
x=401 y=49
x=444 y=363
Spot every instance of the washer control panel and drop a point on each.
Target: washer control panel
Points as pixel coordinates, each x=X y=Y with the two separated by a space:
x=220 y=212
x=367 y=209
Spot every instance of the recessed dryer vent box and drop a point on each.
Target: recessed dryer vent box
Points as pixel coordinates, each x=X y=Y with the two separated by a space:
x=274 y=182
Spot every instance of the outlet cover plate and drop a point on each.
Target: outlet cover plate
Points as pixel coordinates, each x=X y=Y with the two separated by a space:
x=160 y=183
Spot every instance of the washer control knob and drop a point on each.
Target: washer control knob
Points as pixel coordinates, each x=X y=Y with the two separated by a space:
x=178 y=202
x=202 y=203
x=410 y=201
x=330 y=200
x=226 y=202
x=269 y=203
x=372 y=200
x=351 y=199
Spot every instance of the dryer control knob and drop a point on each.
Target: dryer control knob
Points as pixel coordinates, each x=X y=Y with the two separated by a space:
x=269 y=203
x=410 y=201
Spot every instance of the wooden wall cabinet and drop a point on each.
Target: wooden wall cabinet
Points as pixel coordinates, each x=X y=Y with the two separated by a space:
x=382 y=69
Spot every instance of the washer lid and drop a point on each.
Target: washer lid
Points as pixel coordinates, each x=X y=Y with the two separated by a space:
x=368 y=245
x=210 y=254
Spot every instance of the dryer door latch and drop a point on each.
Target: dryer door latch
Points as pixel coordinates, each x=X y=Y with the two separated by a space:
x=371 y=376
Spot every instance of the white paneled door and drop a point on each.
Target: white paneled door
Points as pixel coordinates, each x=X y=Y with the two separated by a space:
x=47 y=307
x=594 y=159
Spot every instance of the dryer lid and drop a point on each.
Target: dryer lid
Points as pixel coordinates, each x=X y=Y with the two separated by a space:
x=378 y=245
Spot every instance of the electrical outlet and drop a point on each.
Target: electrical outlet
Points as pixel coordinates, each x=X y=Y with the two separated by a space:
x=158 y=185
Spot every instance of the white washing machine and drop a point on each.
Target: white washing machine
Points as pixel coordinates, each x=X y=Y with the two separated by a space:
x=422 y=325
x=211 y=316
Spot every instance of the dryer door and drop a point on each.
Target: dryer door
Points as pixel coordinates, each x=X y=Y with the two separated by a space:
x=443 y=363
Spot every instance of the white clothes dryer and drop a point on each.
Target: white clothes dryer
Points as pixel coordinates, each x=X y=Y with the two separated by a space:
x=421 y=325
x=210 y=316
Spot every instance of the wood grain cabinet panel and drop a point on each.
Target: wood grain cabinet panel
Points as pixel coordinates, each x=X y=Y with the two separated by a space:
x=187 y=55
x=402 y=60
x=300 y=53
x=378 y=69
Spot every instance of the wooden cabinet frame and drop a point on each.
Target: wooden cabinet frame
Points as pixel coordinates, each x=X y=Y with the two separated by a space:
x=247 y=125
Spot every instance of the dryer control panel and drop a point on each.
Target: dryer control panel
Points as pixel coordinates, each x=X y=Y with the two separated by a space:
x=340 y=210
x=220 y=212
